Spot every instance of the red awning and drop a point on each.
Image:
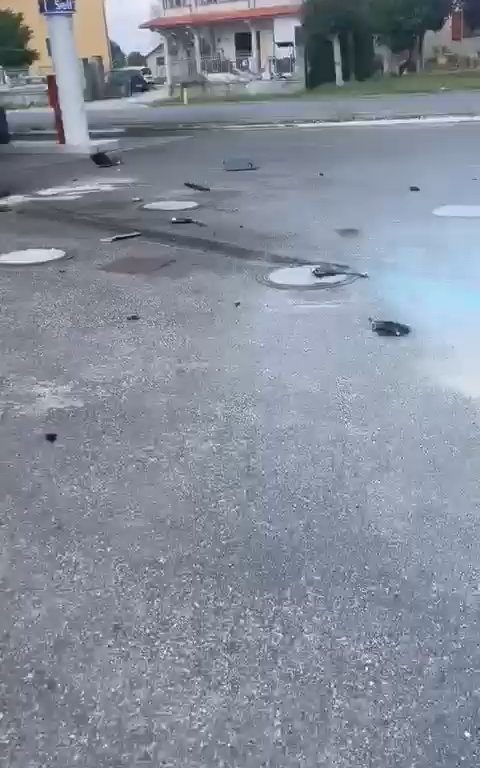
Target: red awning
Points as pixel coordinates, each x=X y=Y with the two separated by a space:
x=220 y=17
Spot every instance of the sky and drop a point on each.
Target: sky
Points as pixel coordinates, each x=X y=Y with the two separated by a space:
x=124 y=17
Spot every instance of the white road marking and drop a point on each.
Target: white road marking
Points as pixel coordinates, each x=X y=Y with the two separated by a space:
x=31 y=256
x=458 y=211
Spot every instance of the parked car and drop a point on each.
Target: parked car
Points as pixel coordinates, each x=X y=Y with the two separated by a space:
x=147 y=75
x=125 y=82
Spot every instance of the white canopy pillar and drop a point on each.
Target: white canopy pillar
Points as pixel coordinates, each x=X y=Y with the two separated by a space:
x=59 y=15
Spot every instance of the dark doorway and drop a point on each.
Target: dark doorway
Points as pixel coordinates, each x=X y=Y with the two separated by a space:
x=243 y=44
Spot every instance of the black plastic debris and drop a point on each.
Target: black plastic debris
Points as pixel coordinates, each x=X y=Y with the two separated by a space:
x=116 y=238
x=413 y=188
x=239 y=164
x=389 y=328
x=196 y=187
x=333 y=270
x=237 y=304
x=187 y=220
x=51 y=437
x=102 y=160
x=133 y=317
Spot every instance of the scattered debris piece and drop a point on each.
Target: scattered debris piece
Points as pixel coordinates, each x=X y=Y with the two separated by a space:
x=102 y=160
x=115 y=238
x=197 y=187
x=51 y=437
x=133 y=317
x=239 y=164
x=241 y=226
x=62 y=271
x=347 y=231
x=237 y=304
x=333 y=270
x=321 y=173
x=389 y=328
x=187 y=220
x=413 y=188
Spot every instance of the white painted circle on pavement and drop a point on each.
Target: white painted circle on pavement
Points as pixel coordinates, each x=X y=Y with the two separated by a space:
x=31 y=256
x=459 y=211
x=303 y=277
x=171 y=205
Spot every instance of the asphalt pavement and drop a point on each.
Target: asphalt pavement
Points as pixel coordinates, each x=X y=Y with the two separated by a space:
x=271 y=111
x=254 y=541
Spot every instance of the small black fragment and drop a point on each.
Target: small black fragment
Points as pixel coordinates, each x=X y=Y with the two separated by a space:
x=102 y=160
x=133 y=317
x=321 y=173
x=413 y=188
x=237 y=304
x=182 y=220
x=187 y=220
x=62 y=271
x=51 y=437
x=389 y=328
x=197 y=187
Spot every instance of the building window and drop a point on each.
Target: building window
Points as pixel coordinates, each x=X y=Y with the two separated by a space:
x=49 y=47
x=160 y=61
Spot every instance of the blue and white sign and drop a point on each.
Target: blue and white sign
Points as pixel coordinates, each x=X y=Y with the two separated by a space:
x=56 y=7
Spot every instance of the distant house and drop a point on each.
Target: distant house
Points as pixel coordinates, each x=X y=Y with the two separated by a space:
x=224 y=37
x=90 y=27
x=454 y=38
x=156 y=62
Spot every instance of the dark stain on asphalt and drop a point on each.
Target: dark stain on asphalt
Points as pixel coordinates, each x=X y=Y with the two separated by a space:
x=347 y=232
x=138 y=265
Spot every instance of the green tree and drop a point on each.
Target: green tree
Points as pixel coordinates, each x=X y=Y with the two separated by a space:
x=401 y=24
x=339 y=21
x=118 y=57
x=471 y=11
x=136 y=59
x=14 y=39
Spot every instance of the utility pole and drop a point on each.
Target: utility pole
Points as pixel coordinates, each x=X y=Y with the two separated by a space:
x=59 y=17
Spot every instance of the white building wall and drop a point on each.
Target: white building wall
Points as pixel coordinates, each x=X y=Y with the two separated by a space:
x=284 y=28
